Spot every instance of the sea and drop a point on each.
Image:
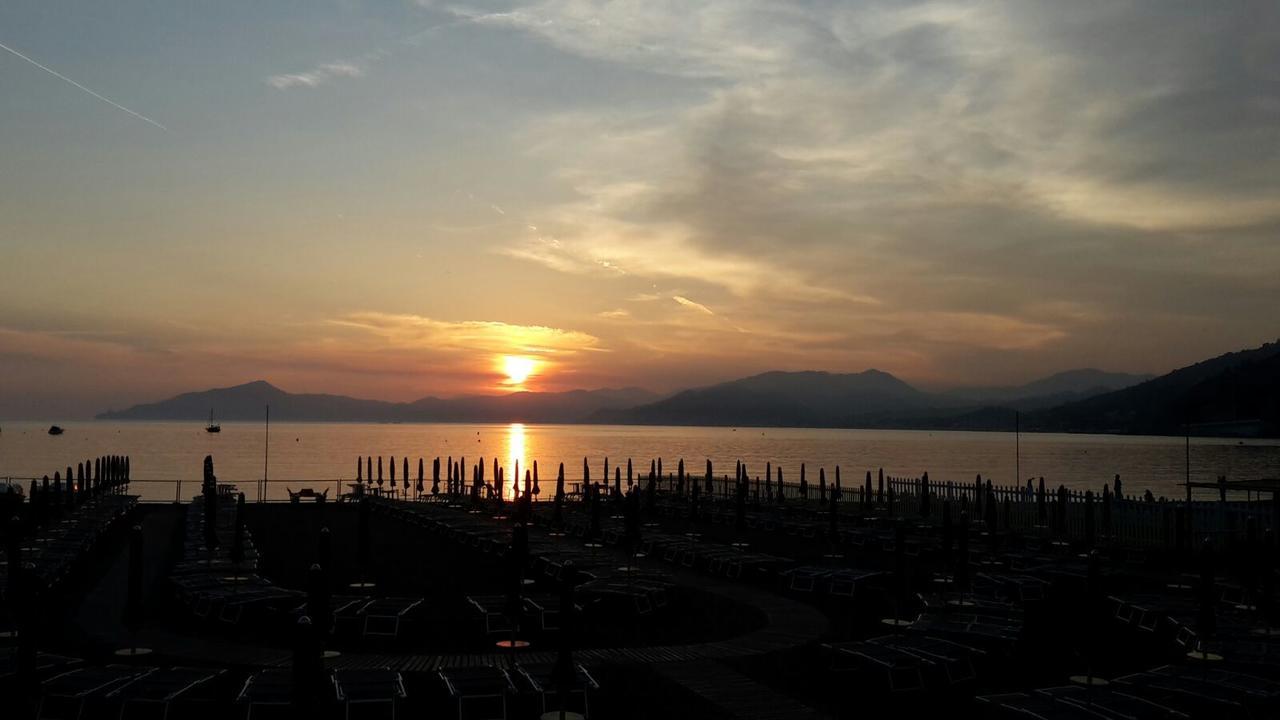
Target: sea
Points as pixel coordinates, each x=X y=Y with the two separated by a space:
x=166 y=457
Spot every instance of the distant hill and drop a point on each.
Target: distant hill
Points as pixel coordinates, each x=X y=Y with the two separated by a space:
x=246 y=402
x=1057 y=389
x=788 y=399
x=1233 y=394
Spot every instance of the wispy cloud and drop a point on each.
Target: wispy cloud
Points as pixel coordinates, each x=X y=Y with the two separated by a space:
x=692 y=305
x=316 y=76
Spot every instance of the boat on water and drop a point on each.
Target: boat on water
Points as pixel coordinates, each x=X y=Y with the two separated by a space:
x=55 y=430
x=212 y=426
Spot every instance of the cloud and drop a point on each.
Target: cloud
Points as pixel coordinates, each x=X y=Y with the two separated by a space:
x=943 y=175
x=699 y=307
x=316 y=76
x=423 y=333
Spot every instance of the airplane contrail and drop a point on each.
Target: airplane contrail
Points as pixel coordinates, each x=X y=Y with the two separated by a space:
x=60 y=76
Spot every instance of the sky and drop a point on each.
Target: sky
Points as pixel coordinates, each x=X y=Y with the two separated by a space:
x=386 y=199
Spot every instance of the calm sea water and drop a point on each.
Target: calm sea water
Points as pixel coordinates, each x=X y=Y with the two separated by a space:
x=323 y=455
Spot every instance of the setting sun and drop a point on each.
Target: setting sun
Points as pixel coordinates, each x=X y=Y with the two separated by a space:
x=518 y=368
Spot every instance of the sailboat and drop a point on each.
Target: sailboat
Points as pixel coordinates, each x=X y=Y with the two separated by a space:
x=212 y=426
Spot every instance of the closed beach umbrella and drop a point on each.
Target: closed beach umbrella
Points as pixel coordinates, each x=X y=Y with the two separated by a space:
x=781 y=495
x=822 y=484
x=318 y=605
x=359 y=470
x=133 y=601
x=405 y=475
x=768 y=483
x=629 y=473
x=586 y=474
x=880 y=488
x=835 y=489
x=804 y=484
x=708 y=479
x=680 y=474
x=368 y=469
x=391 y=470
x=536 y=490
x=363 y=541
x=924 y=495
x=606 y=470
x=1119 y=487
x=435 y=478
x=379 y=471
x=421 y=477
x=558 y=511
x=617 y=482
x=867 y=497
x=1206 y=616
x=237 y=539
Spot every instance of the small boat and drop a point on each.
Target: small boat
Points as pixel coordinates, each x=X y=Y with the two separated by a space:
x=55 y=430
x=212 y=426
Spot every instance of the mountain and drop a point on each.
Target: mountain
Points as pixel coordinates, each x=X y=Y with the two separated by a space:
x=247 y=402
x=1057 y=389
x=1233 y=394
x=787 y=399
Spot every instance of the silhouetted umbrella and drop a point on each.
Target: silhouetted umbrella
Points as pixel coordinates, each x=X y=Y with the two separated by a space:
x=133 y=609
x=924 y=495
x=740 y=504
x=368 y=467
x=308 y=668
x=564 y=675
x=404 y=483
x=586 y=474
x=693 y=502
x=833 y=511
x=420 y=485
x=782 y=497
x=961 y=571
x=710 y=489
x=558 y=510
x=680 y=475
x=1206 y=616
x=435 y=477
x=804 y=484
x=1106 y=510
x=363 y=541
x=659 y=467
x=210 y=506
x=1042 y=512
x=835 y=489
x=948 y=532
x=324 y=551
x=1088 y=518
x=651 y=473
x=1119 y=487
x=359 y=470
x=594 y=529
x=237 y=539
x=617 y=483
x=768 y=483
x=318 y=605
x=536 y=489
x=379 y=471
x=867 y=497
x=391 y=470
x=822 y=484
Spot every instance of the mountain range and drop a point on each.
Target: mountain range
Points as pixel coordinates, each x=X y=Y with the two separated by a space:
x=1233 y=394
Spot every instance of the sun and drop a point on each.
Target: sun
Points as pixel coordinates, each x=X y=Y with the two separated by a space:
x=518 y=368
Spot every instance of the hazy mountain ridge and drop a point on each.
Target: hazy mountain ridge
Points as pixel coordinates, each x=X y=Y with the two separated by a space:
x=1057 y=389
x=1235 y=393
x=247 y=402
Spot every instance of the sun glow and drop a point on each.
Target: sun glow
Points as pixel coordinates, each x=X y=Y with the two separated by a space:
x=518 y=368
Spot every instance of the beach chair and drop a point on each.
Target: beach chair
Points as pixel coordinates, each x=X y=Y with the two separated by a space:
x=375 y=693
x=538 y=678
x=165 y=693
x=383 y=616
x=480 y=693
x=269 y=694
x=82 y=692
